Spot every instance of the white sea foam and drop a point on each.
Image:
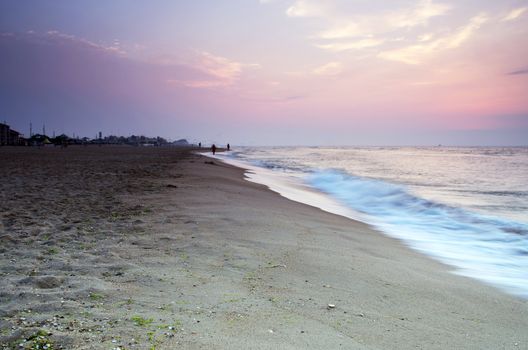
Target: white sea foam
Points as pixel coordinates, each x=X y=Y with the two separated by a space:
x=491 y=249
x=290 y=186
x=480 y=247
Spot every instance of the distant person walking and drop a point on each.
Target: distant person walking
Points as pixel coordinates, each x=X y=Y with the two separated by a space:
x=213 y=149
x=199 y=144
x=228 y=147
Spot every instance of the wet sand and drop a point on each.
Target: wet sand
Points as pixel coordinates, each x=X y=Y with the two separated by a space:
x=122 y=247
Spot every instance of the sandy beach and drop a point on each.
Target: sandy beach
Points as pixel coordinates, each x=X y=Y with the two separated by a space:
x=161 y=248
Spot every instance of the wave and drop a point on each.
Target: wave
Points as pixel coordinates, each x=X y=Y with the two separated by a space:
x=491 y=249
x=276 y=165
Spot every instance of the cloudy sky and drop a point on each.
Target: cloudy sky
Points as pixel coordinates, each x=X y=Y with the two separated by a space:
x=269 y=72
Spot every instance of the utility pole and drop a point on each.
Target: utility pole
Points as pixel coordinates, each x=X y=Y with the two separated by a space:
x=30 y=129
x=44 y=129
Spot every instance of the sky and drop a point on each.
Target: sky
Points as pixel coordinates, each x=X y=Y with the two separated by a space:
x=269 y=72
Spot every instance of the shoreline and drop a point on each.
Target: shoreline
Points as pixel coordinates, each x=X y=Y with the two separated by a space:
x=295 y=188
x=182 y=251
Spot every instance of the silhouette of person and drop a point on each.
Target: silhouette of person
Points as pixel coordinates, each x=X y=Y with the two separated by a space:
x=213 y=148
x=199 y=145
x=228 y=147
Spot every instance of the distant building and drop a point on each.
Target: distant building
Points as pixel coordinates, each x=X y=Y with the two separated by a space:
x=14 y=138
x=4 y=134
x=181 y=143
x=10 y=137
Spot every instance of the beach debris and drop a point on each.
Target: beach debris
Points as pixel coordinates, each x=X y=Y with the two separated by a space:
x=330 y=306
x=270 y=331
x=48 y=282
x=326 y=286
x=275 y=266
x=172 y=186
x=39 y=340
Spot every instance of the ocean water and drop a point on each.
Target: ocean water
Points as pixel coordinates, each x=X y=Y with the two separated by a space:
x=467 y=207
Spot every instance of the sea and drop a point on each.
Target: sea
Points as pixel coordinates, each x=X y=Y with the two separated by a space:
x=466 y=207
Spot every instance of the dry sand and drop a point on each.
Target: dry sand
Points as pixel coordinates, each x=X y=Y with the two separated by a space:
x=118 y=247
